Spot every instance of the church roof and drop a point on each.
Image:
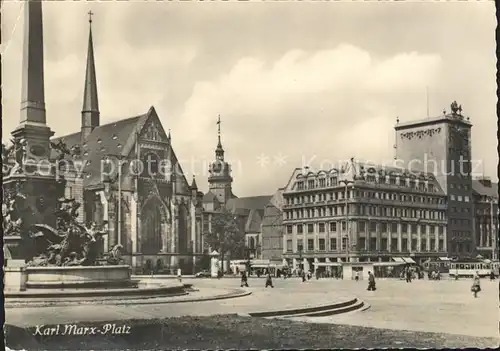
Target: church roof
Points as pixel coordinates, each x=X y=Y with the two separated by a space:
x=248 y=203
x=209 y=197
x=254 y=220
x=115 y=138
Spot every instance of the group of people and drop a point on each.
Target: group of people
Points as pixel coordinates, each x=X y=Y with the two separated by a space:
x=244 y=280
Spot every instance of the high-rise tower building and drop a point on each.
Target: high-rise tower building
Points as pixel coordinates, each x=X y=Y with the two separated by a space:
x=441 y=146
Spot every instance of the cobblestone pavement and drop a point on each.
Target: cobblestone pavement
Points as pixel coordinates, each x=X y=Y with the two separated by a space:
x=434 y=306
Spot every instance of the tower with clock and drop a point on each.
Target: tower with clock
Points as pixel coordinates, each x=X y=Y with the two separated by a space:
x=441 y=145
x=219 y=179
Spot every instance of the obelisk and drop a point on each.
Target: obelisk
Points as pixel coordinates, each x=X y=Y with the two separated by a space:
x=32 y=127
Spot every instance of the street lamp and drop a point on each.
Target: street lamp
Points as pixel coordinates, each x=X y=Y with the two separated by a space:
x=347 y=235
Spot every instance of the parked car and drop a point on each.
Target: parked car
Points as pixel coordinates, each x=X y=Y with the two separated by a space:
x=203 y=274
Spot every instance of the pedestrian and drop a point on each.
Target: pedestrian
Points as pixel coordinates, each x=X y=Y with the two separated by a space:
x=476 y=285
x=371 y=282
x=303 y=275
x=179 y=274
x=492 y=275
x=269 y=280
x=408 y=274
x=244 y=279
x=356 y=278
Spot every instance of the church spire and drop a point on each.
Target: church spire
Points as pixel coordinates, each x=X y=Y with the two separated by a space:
x=90 y=110
x=219 y=151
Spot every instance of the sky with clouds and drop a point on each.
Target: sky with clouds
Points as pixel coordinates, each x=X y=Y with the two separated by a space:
x=294 y=83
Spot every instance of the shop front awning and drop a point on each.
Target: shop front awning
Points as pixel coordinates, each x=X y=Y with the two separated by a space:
x=398 y=260
x=408 y=260
x=388 y=264
x=328 y=264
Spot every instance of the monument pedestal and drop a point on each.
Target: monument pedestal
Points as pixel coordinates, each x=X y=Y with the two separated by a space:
x=15 y=276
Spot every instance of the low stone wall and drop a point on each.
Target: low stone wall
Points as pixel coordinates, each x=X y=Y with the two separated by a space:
x=78 y=277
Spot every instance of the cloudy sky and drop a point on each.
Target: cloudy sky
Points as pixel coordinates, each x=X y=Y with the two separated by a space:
x=294 y=83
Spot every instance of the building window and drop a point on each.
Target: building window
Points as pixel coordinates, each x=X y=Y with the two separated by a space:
x=404 y=228
x=300 y=229
x=333 y=181
x=394 y=244
x=373 y=243
x=373 y=226
x=289 y=229
x=383 y=227
x=300 y=185
x=383 y=244
x=333 y=227
x=404 y=244
x=433 y=245
x=361 y=243
x=466 y=198
x=362 y=226
x=423 y=245
x=322 y=183
x=423 y=229
x=289 y=245
x=441 y=230
x=440 y=245
x=344 y=244
x=413 y=244
x=321 y=227
x=310 y=184
x=321 y=244
x=343 y=226
x=300 y=245
x=333 y=244
x=310 y=244
x=310 y=228
x=394 y=227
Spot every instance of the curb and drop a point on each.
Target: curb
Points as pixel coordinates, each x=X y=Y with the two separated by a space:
x=305 y=310
x=151 y=300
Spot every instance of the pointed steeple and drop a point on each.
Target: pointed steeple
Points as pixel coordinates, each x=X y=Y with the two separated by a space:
x=219 y=151
x=194 y=186
x=90 y=110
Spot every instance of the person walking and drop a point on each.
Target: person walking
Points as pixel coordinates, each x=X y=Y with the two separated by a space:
x=356 y=278
x=476 y=284
x=269 y=280
x=179 y=274
x=492 y=275
x=303 y=275
x=371 y=282
x=244 y=279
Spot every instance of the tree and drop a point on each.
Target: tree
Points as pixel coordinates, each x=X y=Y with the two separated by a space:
x=226 y=236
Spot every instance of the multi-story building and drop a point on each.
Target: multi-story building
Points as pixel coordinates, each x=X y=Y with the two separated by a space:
x=486 y=217
x=441 y=145
x=381 y=213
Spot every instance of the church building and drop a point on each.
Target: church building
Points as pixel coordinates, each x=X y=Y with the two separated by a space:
x=249 y=211
x=131 y=179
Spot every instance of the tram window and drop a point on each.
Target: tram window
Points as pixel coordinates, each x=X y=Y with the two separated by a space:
x=467 y=266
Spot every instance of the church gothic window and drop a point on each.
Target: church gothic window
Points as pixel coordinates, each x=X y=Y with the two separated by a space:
x=151 y=228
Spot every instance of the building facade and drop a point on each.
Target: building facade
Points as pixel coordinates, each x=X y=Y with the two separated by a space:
x=486 y=217
x=379 y=215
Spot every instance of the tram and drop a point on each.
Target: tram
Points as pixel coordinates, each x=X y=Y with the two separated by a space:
x=441 y=265
x=466 y=268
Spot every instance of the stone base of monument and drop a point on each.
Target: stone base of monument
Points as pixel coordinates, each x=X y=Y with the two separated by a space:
x=85 y=277
x=15 y=276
